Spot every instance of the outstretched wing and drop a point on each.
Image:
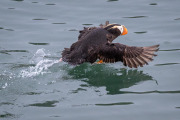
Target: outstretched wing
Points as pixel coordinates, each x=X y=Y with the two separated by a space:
x=130 y=56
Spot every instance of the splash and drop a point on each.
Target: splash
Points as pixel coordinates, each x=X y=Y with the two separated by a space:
x=5 y=85
x=41 y=64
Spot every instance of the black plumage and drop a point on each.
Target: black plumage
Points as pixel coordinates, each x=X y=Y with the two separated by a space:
x=96 y=43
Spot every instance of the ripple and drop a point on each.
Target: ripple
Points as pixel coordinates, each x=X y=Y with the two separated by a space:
x=32 y=93
x=153 y=4
x=50 y=4
x=87 y=24
x=170 y=50
x=22 y=65
x=9 y=29
x=39 y=19
x=118 y=103
x=166 y=64
x=112 y=0
x=136 y=17
x=59 y=23
x=9 y=51
x=141 y=32
x=149 y=92
x=177 y=19
x=16 y=51
x=6 y=103
x=79 y=89
x=55 y=116
x=18 y=0
x=73 y=30
x=11 y=8
x=45 y=104
x=34 y=2
x=7 y=115
x=38 y=43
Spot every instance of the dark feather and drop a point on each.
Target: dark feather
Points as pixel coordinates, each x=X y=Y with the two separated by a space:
x=130 y=56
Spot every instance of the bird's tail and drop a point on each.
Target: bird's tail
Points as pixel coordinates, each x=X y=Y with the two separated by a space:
x=72 y=57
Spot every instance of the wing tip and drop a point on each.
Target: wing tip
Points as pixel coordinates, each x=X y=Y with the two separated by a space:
x=143 y=58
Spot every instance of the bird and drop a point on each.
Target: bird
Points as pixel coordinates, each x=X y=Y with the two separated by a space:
x=95 y=45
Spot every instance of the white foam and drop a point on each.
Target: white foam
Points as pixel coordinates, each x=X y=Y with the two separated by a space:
x=41 y=65
x=5 y=85
x=38 y=56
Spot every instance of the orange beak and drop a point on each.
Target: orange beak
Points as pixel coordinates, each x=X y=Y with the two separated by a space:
x=125 y=31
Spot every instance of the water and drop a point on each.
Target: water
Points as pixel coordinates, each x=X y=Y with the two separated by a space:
x=42 y=64
x=34 y=85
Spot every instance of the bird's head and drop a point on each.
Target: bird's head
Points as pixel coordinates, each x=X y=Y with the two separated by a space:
x=116 y=29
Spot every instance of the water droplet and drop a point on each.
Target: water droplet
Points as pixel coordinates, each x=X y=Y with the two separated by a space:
x=5 y=85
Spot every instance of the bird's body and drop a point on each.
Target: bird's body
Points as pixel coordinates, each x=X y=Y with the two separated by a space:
x=96 y=43
x=86 y=48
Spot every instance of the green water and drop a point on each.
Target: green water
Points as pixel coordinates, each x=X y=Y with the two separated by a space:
x=35 y=86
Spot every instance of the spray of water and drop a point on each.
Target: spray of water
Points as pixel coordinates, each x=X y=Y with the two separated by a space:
x=41 y=64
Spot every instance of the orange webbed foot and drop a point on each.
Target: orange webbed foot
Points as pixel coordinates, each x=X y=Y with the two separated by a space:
x=100 y=62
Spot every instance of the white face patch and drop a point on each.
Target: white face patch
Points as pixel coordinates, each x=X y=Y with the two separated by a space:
x=121 y=28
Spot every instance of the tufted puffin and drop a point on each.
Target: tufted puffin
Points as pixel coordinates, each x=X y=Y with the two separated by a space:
x=95 y=43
